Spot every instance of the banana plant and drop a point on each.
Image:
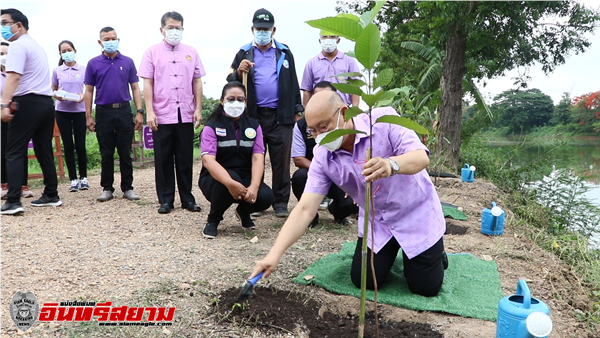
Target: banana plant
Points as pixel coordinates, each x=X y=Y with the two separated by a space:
x=367 y=48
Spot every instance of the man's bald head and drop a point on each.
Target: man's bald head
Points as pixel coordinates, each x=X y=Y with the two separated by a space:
x=321 y=107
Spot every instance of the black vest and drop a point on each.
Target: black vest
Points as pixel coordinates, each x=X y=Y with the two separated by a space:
x=232 y=153
x=309 y=142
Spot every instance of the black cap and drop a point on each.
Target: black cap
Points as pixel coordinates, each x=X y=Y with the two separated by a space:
x=263 y=19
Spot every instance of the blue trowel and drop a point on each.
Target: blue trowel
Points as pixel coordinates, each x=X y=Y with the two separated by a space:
x=247 y=289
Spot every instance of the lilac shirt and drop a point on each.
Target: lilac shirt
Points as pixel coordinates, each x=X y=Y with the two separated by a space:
x=407 y=207
x=173 y=69
x=319 y=68
x=208 y=142
x=111 y=78
x=29 y=59
x=265 y=77
x=70 y=80
x=298 y=145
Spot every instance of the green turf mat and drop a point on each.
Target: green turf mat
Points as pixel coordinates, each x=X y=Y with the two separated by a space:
x=454 y=213
x=471 y=286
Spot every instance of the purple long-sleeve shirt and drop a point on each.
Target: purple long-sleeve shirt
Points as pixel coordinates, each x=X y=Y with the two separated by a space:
x=407 y=207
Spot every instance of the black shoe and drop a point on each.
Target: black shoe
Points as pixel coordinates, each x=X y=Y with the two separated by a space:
x=445 y=260
x=342 y=221
x=210 y=230
x=315 y=221
x=281 y=212
x=9 y=208
x=46 y=201
x=164 y=208
x=246 y=221
x=191 y=206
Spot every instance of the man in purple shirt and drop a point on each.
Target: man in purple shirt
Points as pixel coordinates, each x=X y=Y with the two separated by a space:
x=27 y=103
x=408 y=212
x=111 y=73
x=323 y=67
x=273 y=98
x=172 y=75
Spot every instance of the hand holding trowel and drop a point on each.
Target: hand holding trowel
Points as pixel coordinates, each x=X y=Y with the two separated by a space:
x=247 y=289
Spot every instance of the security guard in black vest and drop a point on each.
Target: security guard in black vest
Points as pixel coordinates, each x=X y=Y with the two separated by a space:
x=233 y=161
x=341 y=205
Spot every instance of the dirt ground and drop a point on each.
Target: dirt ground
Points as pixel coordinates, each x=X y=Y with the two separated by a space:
x=127 y=253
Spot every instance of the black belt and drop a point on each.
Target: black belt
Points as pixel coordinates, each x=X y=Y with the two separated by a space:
x=114 y=105
x=265 y=109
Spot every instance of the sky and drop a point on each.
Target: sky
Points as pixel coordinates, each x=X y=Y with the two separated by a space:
x=217 y=29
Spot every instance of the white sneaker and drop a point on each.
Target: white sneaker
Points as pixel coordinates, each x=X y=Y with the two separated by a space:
x=74 y=185
x=106 y=195
x=130 y=195
x=83 y=184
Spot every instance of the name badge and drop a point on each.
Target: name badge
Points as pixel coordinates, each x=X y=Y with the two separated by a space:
x=286 y=64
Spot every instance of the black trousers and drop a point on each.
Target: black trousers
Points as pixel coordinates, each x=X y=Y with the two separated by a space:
x=278 y=140
x=424 y=273
x=34 y=119
x=174 y=151
x=3 y=146
x=73 y=125
x=114 y=129
x=220 y=199
x=341 y=205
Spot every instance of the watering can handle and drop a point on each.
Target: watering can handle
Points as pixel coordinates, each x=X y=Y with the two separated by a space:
x=523 y=289
x=467 y=165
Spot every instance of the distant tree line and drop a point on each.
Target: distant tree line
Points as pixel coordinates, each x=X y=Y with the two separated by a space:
x=520 y=111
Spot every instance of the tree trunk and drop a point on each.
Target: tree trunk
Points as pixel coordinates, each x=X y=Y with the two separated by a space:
x=452 y=92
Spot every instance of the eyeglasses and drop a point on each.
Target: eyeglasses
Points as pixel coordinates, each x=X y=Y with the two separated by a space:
x=231 y=99
x=323 y=129
x=7 y=23
x=179 y=28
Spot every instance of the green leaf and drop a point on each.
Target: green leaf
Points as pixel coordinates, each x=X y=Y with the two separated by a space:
x=383 y=78
x=348 y=88
x=364 y=18
x=349 y=16
x=404 y=122
x=350 y=53
x=342 y=26
x=368 y=46
x=384 y=95
x=351 y=74
x=358 y=83
x=369 y=99
x=375 y=10
x=340 y=132
x=352 y=112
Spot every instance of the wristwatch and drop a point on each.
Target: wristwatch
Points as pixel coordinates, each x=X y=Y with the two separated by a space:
x=140 y=111
x=4 y=105
x=395 y=166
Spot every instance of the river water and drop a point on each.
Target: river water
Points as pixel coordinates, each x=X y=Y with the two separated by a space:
x=580 y=155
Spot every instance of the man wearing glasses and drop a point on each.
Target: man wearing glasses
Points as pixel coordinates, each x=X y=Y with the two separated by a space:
x=172 y=75
x=28 y=107
x=408 y=212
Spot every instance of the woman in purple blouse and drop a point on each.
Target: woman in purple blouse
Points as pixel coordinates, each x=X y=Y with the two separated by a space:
x=67 y=83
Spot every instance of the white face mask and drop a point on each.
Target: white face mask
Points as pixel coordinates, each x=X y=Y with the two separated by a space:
x=335 y=144
x=3 y=60
x=173 y=36
x=328 y=45
x=234 y=109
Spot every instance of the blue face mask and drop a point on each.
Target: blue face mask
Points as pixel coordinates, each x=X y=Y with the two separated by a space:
x=262 y=38
x=6 y=32
x=68 y=56
x=111 y=46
